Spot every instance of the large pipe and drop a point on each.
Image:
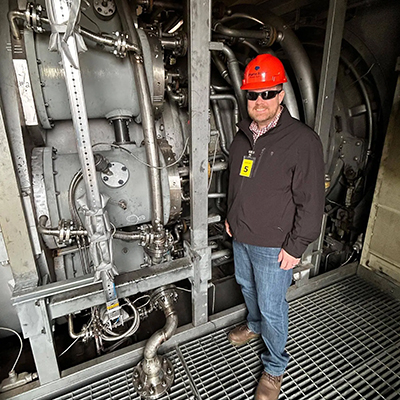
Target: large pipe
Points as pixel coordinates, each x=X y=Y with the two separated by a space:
x=147 y=115
x=236 y=77
x=267 y=34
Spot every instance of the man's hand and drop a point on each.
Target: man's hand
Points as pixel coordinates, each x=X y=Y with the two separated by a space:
x=287 y=261
x=228 y=228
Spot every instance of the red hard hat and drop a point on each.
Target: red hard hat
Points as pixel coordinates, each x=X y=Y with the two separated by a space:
x=263 y=72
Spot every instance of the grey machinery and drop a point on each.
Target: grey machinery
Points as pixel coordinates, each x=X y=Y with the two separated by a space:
x=116 y=124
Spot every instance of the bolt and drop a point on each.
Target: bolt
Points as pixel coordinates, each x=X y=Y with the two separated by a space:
x=135 y=375
x=42 y=84
x=121 y=182
x=124 y=169
x=358 y=143
x=139 y=386
x=169 y=371
x=125 y=250
x=151 y=390
x=163 y=384
x=105 y=178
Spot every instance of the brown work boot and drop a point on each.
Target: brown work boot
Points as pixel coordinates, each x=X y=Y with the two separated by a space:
x=241 y=335
x=269 y=387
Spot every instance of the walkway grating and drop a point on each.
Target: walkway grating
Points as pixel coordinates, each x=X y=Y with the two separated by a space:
x=344 y=342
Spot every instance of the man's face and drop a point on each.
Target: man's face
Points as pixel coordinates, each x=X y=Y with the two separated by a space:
x=263 y=111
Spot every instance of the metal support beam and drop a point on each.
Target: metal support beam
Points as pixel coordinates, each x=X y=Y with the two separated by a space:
x=330 y=63
x=199 y=98
x=36 y=326
x=77 y=294
x=13 y=223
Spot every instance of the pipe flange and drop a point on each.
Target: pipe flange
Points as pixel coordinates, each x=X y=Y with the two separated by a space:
x=153 y=386
x=164 y=297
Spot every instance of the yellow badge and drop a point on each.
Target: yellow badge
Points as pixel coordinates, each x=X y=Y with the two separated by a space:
x=247 y=166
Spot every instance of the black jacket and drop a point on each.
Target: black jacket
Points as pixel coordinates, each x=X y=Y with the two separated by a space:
x=281 y=204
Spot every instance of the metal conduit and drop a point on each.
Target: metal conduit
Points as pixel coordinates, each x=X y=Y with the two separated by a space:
x=219 y=124
x=236 y=77
x=221 y=67
x=234 y=101
x=146 y=111
x=153 y=376
x=267 y=33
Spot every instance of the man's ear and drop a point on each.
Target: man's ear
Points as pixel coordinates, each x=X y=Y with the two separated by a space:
x=281 y=96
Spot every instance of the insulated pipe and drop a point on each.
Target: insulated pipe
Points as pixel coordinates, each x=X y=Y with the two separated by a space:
x=296 y=54
x=146 y=111
x=127 y=236
x=236 y=77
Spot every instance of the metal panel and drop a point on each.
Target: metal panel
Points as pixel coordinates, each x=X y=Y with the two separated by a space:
x=382 y=240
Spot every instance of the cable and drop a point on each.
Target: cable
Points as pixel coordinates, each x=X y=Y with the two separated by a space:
x=142 y=162
x=20 y=340
x=69 y=346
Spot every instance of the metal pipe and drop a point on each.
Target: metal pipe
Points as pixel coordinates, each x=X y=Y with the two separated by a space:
x=71 y=331
x=219 y=190
x=216 y=195
x=153 y=376
x=12 y=16
x=219 y=124
x=146 y=111
x=127 y=236
x=221 y=67
x=232 y=98
x=236 y=76
x=55 y=231
x=220 y=253
x=267 y=34
x=164 y=4
x=121 y=130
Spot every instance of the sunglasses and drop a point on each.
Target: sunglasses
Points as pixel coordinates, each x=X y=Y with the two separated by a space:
x=267 y=95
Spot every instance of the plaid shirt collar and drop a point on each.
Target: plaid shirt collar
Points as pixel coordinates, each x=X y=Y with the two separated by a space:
x=257 y=132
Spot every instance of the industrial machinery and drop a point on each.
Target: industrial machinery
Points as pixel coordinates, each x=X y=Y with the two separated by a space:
x=117 y=119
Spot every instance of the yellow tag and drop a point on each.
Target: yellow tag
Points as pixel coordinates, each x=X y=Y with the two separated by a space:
x=246 y=167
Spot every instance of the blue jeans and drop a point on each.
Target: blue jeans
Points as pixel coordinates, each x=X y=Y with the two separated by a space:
x=264 y=286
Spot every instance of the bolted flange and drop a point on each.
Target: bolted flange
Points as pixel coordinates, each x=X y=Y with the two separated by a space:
x=151 y=381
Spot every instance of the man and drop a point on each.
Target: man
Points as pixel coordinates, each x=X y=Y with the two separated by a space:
x=275 y=207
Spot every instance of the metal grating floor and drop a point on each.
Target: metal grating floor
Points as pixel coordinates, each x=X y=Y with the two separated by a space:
x=344 y=343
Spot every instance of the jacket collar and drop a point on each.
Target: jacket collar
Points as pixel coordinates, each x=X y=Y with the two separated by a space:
x=245 y=124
